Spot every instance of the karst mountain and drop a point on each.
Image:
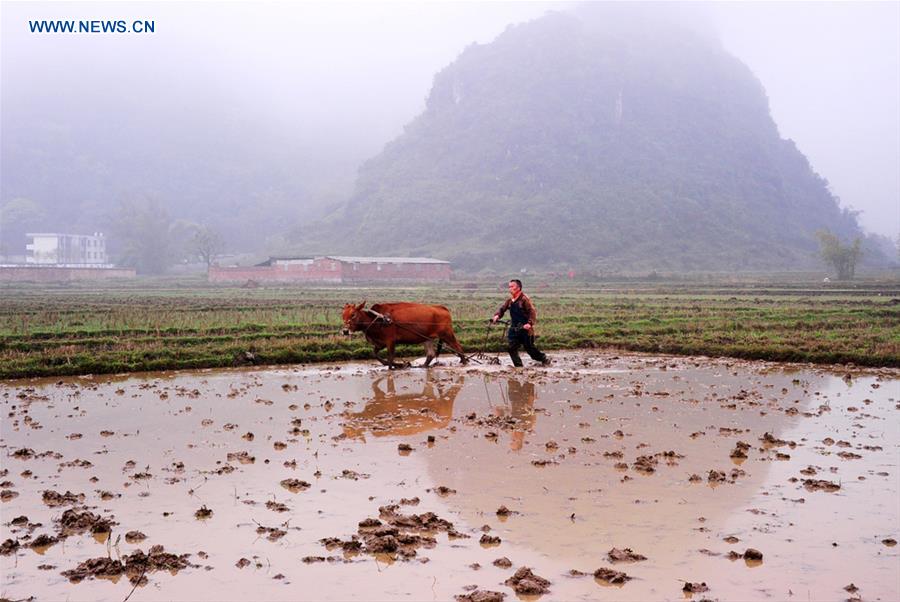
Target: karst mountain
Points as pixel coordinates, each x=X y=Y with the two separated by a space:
x=602 y=138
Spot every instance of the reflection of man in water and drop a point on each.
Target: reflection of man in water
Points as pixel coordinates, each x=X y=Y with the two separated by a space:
x=522 y=396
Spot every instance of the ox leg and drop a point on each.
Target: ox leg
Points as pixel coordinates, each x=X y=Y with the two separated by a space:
x=429 y=353
x=390 y=358
x=451 y=341
x=375 y=350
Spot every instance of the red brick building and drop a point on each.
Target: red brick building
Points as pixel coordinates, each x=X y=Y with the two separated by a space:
x=336 y=269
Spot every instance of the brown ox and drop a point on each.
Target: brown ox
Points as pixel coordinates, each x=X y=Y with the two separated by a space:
x=387 y=324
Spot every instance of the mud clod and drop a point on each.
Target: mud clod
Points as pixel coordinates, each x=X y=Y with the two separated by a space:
x=9 y=547
x=352 y=475
x=295 y=485
x=694 y=588
x=481 y=595
x=75 y=521
x=752 y=554
x=53 y=499
x=645 y=464
x=242 y=457
x=134 y=566
x=312 y=559
x=820 y=485
x=427 y=521
x=716 y=476
x=95 y=567
x=504 y=511
x=740 y=451
x=626 y=555
x=43 y=541
x=503 y=563
x=611 y=576
x=525 y=582
x=770 y=440
x=394 y=533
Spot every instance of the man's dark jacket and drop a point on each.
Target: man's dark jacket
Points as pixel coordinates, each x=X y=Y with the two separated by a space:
x=521 y=311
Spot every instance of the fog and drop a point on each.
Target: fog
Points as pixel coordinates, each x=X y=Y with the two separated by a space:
x=312 y=90
x=832 y=72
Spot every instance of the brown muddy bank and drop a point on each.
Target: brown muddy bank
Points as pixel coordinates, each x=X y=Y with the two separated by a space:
x=602 y=477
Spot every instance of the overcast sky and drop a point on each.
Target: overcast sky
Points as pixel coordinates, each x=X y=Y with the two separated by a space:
x=354 y=74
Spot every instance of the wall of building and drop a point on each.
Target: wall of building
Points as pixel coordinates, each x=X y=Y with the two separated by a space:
x=409 y=272
x=326 y=270
x=43 y=249
x=61 y=274
x=297 y=272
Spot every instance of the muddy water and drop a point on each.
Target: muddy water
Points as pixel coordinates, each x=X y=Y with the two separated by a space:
x=595 y=453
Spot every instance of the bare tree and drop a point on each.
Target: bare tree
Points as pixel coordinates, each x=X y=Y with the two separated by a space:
x=207 y=243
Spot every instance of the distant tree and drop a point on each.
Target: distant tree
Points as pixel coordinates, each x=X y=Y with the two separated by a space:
x=841 y=257
x=141 y=234
x=206 y=243
x=17 y=217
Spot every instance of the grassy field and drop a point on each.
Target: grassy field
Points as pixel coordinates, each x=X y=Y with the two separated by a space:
x=161 y=325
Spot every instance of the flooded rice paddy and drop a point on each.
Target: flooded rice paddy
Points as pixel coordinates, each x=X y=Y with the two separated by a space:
x=609 y=477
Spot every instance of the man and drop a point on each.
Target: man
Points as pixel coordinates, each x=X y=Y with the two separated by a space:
x=521 y=329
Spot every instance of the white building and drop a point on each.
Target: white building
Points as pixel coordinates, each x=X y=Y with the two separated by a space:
x=66 y=249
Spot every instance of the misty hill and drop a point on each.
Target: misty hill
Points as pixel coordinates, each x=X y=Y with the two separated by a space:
x=77 y=164
x=595 y=139
x=76 y=146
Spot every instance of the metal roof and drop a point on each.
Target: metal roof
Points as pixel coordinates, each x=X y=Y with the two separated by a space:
x=33 y=234
x=347 y=259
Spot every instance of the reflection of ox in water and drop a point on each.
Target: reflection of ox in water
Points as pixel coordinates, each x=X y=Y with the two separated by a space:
x=520 y=398
x=386 y=324
x=392 y=414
